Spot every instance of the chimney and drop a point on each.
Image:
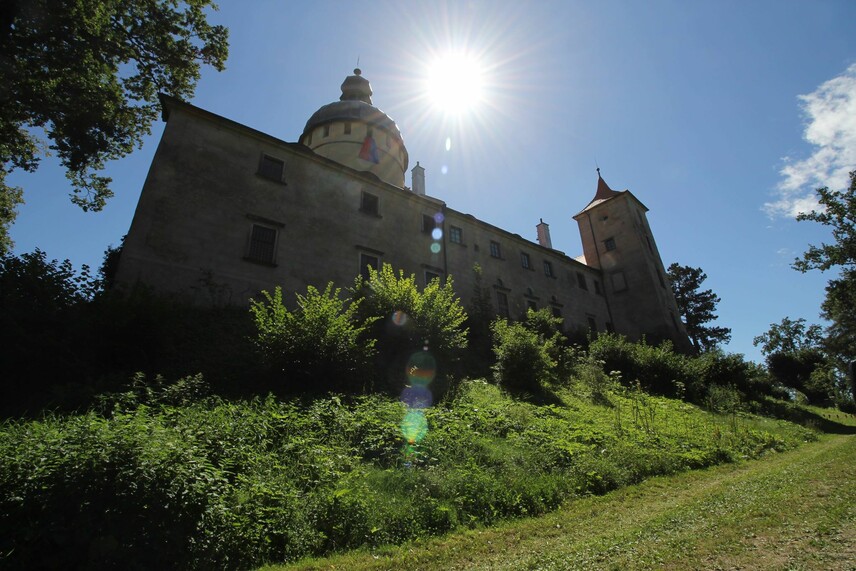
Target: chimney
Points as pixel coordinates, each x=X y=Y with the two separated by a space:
x=417 y=179
x=544 y=234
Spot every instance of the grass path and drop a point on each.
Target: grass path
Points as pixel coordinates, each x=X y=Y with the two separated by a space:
x=794 y=511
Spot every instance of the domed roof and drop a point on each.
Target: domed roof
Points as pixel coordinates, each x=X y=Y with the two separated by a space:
x=354 y=105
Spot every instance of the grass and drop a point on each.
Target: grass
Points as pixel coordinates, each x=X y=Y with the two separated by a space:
x=795 y=510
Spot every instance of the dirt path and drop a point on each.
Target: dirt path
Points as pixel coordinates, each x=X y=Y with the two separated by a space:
x=789 y=511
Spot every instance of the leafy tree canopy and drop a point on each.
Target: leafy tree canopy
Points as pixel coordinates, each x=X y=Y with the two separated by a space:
x=789 y=336
x=697 y=307
x=86 y=73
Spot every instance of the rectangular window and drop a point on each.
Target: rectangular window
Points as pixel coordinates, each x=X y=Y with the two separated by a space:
x=271 y=168
x=524 y=260
x=456 y=235
x=430 y=277
x=428 y=223
x=597 y=289
x=581 y=281
x=367 y=260
x=327 y=130
x=262 y=244
x=502 y=303
x=495 y=252
x=548 y=269
x=531 y=305
x=592 y=324
x=347 y=128
x=610 y=244
x=369 y=203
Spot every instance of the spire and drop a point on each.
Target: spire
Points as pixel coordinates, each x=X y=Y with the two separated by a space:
x=603 y=190
x=356 y=88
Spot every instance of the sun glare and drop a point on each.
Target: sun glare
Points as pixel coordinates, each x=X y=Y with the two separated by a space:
x=455 y=83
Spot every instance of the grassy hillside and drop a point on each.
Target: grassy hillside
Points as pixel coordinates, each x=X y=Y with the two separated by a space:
x=165 y=479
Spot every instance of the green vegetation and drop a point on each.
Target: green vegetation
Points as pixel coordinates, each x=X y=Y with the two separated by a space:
x=790 y=511
x=160 y=477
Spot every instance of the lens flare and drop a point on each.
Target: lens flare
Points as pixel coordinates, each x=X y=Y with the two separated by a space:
x=421 y=368
x=399 y=318
x=417 y=397
x=436 y=233
x=438 y=218
x=435 y=248
x=414 y=426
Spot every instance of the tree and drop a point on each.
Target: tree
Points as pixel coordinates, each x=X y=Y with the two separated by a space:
x=838 y=211
x=87 y=75
x=789 y=336
x=697 y=307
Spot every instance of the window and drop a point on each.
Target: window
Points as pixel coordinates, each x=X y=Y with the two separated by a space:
x=367 y=260
x=548 y=269
x=609 y=243
x=502 y=303
x=618 y=282
x=524 y=261
x=495 y=252
x=430 y=277
x=347 y=128
x=327 y=130
x=369 y=203
x=262 y=244
x=428 y=223
x=456 y=235
x=557 y=312
x=271 y=168
x=581 y=281
x=597 y=289
x=592 y=323
x=531 y=305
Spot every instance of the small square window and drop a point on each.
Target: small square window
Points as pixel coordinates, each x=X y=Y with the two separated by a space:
x=367 y=260
x=581 y=281
x=271 y=168
x=495 y=252
x=428 y=223
x=369 y=203
x=456 y=235
x=502 y=304
x=430 y=277
x=347 y=128
x=524 y=260
x=609 y=243
x=548 y=269
x=262 y=244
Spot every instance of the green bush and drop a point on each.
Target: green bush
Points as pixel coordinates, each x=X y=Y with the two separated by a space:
x=318 y=347
x=522 y=357
x=657 y=368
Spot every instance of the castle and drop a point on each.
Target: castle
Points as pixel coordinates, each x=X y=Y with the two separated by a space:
x=227 y=211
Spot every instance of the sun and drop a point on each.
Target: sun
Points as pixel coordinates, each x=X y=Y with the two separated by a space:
x=455 y=83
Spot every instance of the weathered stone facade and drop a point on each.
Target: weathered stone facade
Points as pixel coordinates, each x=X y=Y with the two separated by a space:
x=227 y=211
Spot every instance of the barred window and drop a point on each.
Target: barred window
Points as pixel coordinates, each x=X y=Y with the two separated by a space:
x=271 y=168
x=262 y=244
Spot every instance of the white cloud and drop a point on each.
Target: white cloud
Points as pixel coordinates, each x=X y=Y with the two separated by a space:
x=830 y=113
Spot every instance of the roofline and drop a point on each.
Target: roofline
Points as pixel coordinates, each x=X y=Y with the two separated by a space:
x=589 y=206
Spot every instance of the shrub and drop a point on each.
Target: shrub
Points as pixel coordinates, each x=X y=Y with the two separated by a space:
x=657 y=368
x=522 y=357
x=318 y=347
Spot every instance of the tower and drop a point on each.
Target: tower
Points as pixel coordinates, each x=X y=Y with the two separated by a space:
x=618 y=241
x=357 y=134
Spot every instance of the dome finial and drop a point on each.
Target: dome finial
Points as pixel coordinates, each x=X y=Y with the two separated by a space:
x=356 y=88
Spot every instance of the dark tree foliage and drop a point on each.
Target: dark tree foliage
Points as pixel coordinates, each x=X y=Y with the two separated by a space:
x=838 y=211
x=789 y=336
x=697 y=307
x=87 y=73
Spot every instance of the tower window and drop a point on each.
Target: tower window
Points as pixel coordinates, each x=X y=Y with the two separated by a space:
x=597 y=289
x=369 y=203
x=495 y=251
x=581 y=281
x=609 y=243
x=327 y=130
x=524 y=261
x=262 y=244
x=430 y=277
x=271 y=168
x=347 y=128
x=548 y=269
x=456 y=235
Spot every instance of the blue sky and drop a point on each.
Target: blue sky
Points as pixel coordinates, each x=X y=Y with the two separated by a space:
x=721 y=117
